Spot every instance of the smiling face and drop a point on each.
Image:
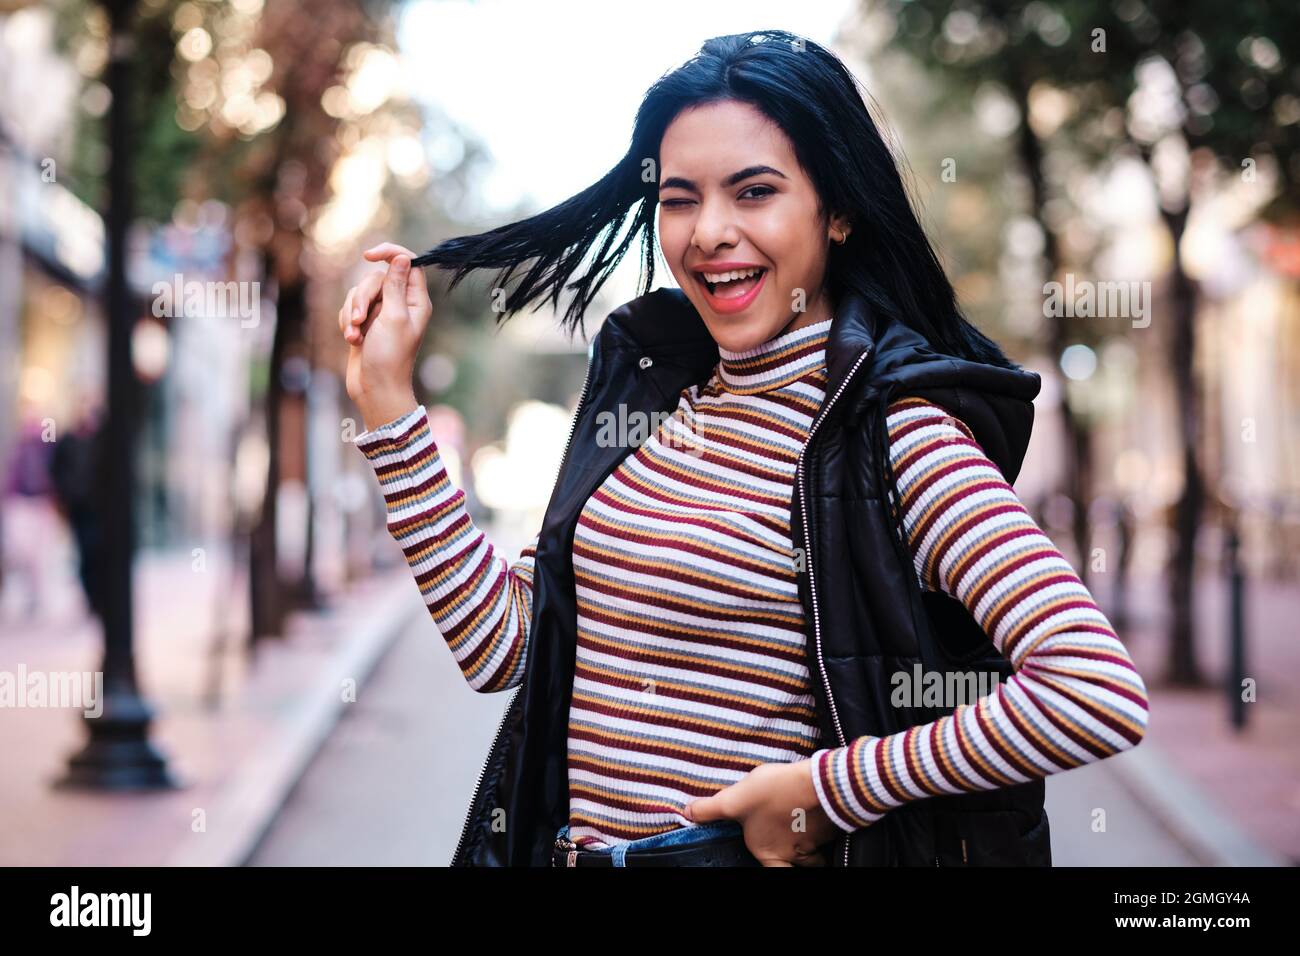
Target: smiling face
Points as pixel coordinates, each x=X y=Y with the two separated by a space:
x=736 y=207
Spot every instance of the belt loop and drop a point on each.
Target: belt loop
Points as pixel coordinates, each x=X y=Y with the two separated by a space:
x=620 y=854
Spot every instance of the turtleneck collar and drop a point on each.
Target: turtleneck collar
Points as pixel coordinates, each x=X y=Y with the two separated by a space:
x=780 y=360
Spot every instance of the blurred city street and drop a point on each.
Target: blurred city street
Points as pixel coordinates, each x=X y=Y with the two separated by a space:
x=234 y=759
x=1249 y=778
x=1112 y=191
x=392 y=785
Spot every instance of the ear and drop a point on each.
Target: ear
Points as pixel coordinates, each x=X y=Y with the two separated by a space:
x=839 y=228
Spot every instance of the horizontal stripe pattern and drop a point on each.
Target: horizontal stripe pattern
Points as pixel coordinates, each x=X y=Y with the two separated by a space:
x=481 y=603
x=691 y=663
x=1074 y=697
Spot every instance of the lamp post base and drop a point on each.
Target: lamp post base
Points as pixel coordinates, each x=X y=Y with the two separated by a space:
x=119 y=755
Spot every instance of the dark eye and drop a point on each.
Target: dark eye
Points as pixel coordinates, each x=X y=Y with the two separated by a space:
x=768 y=190
x=673 y=203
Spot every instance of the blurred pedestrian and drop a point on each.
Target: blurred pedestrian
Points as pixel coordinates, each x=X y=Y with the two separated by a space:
x=30 y=518
x=76 y=467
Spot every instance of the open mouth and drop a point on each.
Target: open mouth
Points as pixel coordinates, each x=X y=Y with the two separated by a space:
x=732 y=285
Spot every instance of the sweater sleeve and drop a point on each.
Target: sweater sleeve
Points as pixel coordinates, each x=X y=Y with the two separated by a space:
x=480 y=603
x=1074 y=697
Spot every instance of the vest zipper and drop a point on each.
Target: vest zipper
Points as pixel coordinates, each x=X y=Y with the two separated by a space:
x=812 y=581
x=469 y=813
x=573 y=425
x=464 y=830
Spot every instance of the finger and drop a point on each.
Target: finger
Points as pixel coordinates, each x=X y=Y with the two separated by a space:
x=345 y=313
x=351 y=334
x=386 y=250
x=360 y=332
x=399 y=271
x=367 y=291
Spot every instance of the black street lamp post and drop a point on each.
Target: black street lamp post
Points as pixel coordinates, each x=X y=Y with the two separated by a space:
x=119 y=755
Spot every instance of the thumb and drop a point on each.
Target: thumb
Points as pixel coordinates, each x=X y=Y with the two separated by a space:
x=417 y=298
x=702 y=810
x=399 y=271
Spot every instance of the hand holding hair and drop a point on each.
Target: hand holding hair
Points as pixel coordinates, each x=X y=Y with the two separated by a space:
x=383 y=320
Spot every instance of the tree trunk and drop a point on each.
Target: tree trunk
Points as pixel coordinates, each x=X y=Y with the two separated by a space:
x=1078 y=438
x=267 y=591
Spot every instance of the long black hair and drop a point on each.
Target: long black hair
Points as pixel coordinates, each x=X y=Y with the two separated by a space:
x=806 y=91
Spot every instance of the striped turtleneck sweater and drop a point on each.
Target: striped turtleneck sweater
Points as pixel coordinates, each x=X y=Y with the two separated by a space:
x=691 y=663
x=691 y=667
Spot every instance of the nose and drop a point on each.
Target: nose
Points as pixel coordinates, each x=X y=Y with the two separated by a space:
x=714 y=226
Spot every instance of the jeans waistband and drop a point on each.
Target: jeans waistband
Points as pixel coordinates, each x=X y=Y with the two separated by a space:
x=679 y=837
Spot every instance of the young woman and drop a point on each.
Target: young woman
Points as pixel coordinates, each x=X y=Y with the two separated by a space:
x=724 y=639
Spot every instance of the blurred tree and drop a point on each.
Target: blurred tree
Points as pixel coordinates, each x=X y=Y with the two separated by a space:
x=306 y=130
x=288 y=177
x=258 y=105
x=328 y=149
x=1200 y=78
x=972 y=49
x=250 y=83
x=230 y=106
x=162 y=150
x=1158 y=79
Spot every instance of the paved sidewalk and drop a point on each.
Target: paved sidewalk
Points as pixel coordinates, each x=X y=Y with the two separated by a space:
x=1232 y=798
x=237 y=760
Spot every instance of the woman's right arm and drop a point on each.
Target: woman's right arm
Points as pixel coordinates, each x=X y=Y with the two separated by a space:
x=481 y=604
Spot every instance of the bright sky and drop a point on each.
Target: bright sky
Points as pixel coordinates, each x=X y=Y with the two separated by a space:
x=552 y=86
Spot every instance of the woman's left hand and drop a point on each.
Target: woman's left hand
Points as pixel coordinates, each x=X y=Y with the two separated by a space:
x=777 y=805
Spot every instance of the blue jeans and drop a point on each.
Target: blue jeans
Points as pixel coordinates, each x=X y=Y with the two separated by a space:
x=696 y=833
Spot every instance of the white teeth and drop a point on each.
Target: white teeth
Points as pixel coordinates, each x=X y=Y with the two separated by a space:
x=716 y=277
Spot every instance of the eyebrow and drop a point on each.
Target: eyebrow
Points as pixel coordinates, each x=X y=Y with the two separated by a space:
x=677 y=182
